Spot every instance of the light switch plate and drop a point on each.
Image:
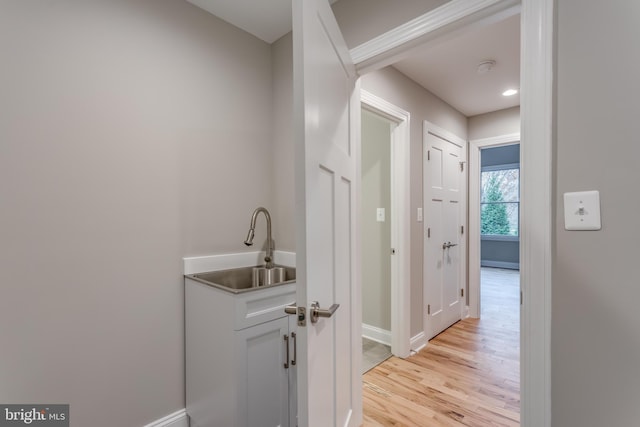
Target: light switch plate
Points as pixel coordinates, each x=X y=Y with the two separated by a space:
x=380 y=214
x=419 y=214
x=582 y=210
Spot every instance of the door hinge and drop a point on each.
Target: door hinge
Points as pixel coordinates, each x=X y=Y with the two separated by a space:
x=428 y=154
x=462 y=166
x=521 y=297
x=462 y=292
x=429 y=232
x=462 y=229
x=428 y=308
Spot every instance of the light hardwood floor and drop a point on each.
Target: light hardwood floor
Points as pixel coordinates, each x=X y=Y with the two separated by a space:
x=468 y=375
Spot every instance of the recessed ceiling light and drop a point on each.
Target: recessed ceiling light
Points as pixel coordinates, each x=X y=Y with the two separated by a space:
x=509 y=92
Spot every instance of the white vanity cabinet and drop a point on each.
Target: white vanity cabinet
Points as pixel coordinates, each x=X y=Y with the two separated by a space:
x=240 y=348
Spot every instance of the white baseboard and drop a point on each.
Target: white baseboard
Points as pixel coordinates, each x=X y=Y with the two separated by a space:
x=376 y=334
x=418 y=342
x=177 y=419
x=465 y=312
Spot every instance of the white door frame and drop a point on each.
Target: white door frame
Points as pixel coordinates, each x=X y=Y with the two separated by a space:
x=536 y=109
x=475 y=168
x=400 y=219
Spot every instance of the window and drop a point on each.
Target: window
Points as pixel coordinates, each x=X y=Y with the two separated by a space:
x=500 y=200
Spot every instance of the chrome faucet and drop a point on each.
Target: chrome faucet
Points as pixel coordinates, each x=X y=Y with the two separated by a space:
x=268 y=259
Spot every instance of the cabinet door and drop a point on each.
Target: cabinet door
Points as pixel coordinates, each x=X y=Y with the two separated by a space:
x=263 y=380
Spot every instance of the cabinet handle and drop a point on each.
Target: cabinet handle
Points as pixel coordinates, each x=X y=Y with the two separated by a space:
x=286 y=344
x=295 y=348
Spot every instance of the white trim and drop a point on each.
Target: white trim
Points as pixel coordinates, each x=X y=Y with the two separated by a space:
x=499 y=237
x=395 y=44
x=500 y=264
x=400 y=219
x=202 y=264
x=376 y=334
x=177 y=419
x=536 y=186
x=418 y=342
x=536 y=84
x=504 y=166
x=499 y=140
x=475 y=167
x=433 y=129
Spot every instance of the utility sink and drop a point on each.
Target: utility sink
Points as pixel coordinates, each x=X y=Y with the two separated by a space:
x=245 y=279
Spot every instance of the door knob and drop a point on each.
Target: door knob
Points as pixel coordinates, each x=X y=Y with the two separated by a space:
x=300 y=312
x=291 y=309
x=316 y=311
x=448 y=245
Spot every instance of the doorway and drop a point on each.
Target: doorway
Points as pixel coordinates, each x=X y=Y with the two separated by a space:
x=376 y=238
x=385 y=236
x=536 y=218
x=496 y=242
x=499 y=211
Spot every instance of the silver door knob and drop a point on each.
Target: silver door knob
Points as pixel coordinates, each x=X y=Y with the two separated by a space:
x=316 y=311
x=448 y=245
x=300 y=312
x=291 y=309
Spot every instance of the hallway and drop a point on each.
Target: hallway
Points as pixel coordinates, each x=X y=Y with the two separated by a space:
x=467 y=376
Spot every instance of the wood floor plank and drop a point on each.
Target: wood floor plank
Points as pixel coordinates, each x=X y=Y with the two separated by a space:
x=469 y=375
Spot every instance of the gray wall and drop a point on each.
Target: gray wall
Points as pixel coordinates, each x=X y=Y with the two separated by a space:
x=595 y=339
x=496 y=123
x=501 y=254
x=362 y=20
x=284 y=209
x=396 y=88
x=132 y=133
x=376 y=236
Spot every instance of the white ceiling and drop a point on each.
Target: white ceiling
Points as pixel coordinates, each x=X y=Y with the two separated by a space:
x=447 y=69
x=267 y=20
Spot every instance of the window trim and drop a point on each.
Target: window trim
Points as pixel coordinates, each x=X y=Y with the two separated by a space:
x=500 y=237
x=501 y=167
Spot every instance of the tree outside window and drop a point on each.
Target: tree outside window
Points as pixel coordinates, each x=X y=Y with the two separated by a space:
x=500 y=202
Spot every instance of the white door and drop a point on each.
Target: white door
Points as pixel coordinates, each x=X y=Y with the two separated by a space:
x=327 y=117
x=445 y=207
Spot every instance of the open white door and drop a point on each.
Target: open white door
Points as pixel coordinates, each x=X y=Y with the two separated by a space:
x=327 y=120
